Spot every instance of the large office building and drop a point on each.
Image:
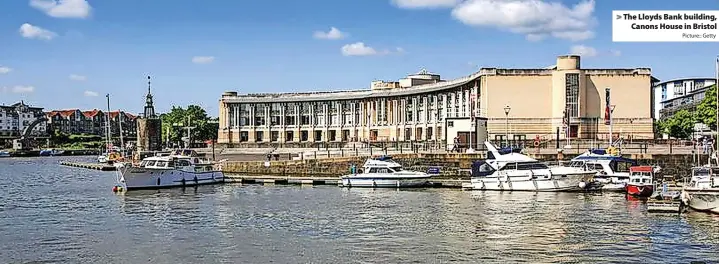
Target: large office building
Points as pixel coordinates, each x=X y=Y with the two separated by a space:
x=519 y=103
x=673 y=95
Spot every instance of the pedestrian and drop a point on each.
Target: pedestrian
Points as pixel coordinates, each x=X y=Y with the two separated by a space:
x=705 y=146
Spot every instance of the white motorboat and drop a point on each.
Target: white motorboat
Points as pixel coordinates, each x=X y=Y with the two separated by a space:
x=612 y=170
x=506 y=170
x=179 y=169
x=702 y=193
x=4 y=154
x=384 y=172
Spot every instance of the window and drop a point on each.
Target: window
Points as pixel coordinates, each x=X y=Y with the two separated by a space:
x=572 y=94
x=183 y=163
x=150 y=163
x=510 y=166
x=532 y=166
x=244 y=137
x=450 y=123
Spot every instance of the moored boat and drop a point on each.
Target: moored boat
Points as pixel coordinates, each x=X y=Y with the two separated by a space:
x=612 y=169
x=507 y=170
x=702 y=192
x=641 y=181
x=4 y=154
x=383 y=172
x=180 y=169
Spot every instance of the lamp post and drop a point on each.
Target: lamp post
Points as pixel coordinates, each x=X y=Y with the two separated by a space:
x=631 y=130
x=506 y=120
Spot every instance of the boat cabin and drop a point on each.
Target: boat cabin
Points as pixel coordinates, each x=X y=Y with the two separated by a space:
x=485 y=168
x=641 y=175
x=383 y=164
x=186 y=160
x=705 y=177
x=604 y=164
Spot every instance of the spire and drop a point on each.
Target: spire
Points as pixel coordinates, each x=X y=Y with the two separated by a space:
x=149 y=108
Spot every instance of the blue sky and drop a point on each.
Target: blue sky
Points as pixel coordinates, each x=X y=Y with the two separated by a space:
x=72 y=50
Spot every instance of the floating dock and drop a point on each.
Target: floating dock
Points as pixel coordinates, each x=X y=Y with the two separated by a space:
x=664 y=206
x=92 y=166
x=300 y=180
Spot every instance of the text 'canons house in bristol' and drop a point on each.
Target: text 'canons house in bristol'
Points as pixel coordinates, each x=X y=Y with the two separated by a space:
x=520 y=103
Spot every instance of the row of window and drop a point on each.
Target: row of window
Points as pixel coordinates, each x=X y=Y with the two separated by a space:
x=334 y=135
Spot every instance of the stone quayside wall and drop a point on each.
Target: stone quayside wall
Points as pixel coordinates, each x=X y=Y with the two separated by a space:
x=453 y=166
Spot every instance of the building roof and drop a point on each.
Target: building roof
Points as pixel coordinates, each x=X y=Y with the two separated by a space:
x=413 y=90
x=685 y=79
x=92 y=113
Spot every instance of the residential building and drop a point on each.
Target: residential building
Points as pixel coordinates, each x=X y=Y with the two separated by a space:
x=519 y=103
x=92 y=122
x=14 y=119
x=675 y=94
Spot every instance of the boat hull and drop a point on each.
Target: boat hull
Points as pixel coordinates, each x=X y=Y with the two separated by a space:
x=134 y=178
x=379 y=182
x=702 y=201
x=554 y=183
x=640 y=190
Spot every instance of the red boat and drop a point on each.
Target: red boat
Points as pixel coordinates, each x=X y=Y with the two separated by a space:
x=641 y=181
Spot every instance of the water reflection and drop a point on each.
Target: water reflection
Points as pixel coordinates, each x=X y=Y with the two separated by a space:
x=64 y=214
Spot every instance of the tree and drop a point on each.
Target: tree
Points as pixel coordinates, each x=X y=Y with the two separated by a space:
x=178 y=118
x=680 y=125
x=706 y=111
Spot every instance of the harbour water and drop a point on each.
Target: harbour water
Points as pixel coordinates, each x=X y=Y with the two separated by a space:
x=55 y=214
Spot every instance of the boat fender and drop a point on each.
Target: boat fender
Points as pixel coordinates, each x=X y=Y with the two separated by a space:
x=195 y=179
x=183 y=181
x=374 y=184
x=158 y=180
x=582 y=185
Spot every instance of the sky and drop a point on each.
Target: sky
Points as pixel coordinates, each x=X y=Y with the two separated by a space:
x=66 y=54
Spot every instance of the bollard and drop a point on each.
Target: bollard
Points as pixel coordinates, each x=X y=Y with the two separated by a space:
x=342 y=152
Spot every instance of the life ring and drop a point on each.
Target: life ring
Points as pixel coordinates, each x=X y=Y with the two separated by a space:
x=536 y=143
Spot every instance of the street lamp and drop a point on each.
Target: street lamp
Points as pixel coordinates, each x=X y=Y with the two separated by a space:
x=506 y=128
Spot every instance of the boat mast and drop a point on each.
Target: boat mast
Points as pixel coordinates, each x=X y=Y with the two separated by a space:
x=107 y=125
x=119 y=121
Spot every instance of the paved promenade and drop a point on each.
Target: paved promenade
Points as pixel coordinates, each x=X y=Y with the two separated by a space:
x=259 y=154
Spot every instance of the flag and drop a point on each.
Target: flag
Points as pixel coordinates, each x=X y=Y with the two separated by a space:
x=607 y=108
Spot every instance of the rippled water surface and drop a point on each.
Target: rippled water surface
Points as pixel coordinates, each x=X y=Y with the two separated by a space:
x=50 y=213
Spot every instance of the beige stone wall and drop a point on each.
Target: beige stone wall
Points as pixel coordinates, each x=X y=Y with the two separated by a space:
x=527 y=96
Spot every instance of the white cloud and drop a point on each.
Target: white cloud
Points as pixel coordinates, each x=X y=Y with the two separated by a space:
x=5 y=70
x=91 y=94
x=63 y=8
x=582 y=50
x=360 y=49
x=76 y=77
x=35 y=32
x=416 y=4
x=616 y=53
x=203 y=59
x=333 y=34
x=21 y=89
x=537 y=19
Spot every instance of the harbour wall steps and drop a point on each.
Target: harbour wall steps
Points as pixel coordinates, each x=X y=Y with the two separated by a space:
x=451 y=166
x=92 y=166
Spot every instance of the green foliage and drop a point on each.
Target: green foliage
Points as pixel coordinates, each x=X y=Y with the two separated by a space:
x=706 y=111
x=177 y=118
x=680 y=125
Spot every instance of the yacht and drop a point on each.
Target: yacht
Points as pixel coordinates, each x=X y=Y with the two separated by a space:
x=4 y=154
x=612 y=170
x=508 y=170
x=702 y=193
x=179 y=169
x=384 y=172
